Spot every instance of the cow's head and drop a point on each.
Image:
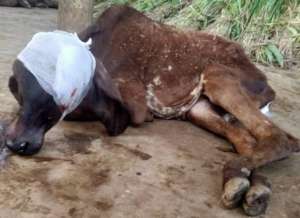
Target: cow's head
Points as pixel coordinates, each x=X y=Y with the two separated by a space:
x=38 y=112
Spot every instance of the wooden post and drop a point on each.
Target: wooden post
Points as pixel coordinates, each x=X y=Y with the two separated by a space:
x=75 y=15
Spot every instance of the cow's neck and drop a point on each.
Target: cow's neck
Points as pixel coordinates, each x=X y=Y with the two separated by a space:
x=98 y=106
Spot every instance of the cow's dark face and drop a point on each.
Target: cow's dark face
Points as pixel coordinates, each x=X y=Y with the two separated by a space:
x=38 y=113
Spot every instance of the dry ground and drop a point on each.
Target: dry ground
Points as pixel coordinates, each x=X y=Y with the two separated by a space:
x=165 y=169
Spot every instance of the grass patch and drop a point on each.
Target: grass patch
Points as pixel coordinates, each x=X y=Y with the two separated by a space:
x=269 y=30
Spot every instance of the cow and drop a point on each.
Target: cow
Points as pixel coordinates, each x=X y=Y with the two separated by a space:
x=145 y=70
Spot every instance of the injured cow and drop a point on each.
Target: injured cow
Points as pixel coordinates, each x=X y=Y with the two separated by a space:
x=144 y=69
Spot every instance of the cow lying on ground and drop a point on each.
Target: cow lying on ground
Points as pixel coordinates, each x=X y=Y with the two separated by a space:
x=153 y=70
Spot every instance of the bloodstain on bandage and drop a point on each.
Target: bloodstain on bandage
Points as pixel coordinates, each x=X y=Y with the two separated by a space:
x=56 y=74
x=73 y=92
x=62 y=108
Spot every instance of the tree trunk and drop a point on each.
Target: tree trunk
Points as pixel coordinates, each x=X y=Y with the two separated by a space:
x=74 y=15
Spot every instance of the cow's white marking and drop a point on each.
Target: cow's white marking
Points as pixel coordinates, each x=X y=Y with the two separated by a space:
x=157 y=81
x=266 y=110
x=228 y=117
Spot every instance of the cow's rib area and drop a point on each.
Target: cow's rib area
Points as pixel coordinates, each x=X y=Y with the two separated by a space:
x=161 y=110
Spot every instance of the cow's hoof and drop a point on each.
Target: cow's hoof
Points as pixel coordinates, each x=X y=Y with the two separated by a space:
x=256 y=200
x=234 y=191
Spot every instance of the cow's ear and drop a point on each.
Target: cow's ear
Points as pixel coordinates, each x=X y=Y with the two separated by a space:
x=105 y=83
x=89 y=32
x=13 y=85
x=119 y=117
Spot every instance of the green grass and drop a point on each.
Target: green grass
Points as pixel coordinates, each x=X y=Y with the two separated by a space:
x=269 y=30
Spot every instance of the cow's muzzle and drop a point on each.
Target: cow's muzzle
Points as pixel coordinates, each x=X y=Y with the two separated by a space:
x=23 y=147
x=23 y=141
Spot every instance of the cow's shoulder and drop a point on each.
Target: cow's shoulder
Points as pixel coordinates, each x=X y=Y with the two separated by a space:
x=117 y=14
x=111 y=18
x=117 y=11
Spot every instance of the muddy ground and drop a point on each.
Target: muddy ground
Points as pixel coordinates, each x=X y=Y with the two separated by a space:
x=165 y=169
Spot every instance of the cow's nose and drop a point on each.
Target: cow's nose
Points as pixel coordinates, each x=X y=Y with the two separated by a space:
x=22 y=148
x=16 y=146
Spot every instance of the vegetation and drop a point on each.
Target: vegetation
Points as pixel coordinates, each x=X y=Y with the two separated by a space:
x=269 y=30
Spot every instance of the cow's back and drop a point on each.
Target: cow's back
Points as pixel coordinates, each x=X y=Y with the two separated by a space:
x=166 y=61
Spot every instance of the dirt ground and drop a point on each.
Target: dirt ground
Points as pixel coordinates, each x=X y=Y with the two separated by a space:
x=164 y=169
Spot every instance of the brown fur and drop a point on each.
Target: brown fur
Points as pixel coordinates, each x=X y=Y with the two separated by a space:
x=136 y=51
x=144 y=65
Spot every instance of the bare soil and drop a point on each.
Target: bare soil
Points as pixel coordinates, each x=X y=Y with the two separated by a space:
x=164 y=169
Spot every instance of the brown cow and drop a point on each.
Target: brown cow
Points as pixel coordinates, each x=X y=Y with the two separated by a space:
x=146 y=69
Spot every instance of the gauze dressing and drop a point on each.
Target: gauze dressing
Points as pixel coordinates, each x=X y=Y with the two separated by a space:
x=62 y=65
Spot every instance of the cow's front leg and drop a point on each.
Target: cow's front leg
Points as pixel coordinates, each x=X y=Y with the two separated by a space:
x=245 y=187
x=204 y=114
x=224 y=89
x=236 y=184
x=257 y=198
x=240 y=186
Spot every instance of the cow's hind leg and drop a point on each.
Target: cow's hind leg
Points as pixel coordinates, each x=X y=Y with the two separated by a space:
x=224 y=89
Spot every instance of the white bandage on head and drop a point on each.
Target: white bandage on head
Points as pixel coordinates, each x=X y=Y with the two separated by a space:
x=62 y=65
